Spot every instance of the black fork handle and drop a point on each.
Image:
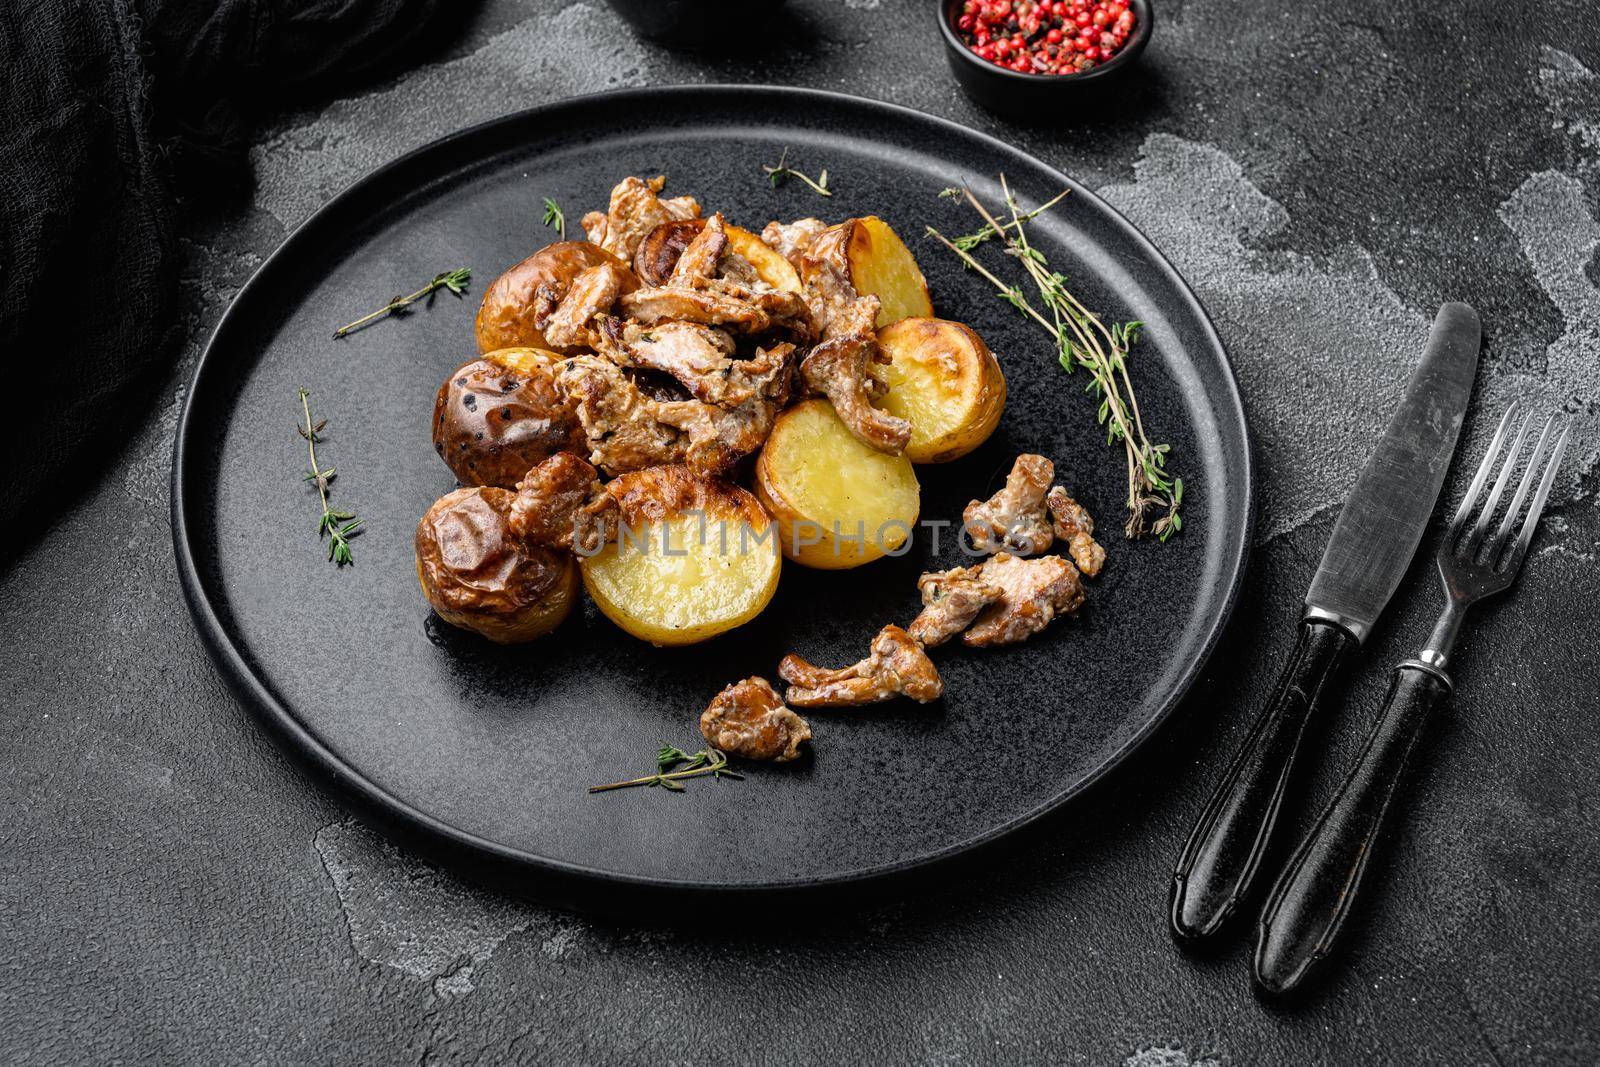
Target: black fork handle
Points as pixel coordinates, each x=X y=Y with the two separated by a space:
x=1308 y=906
x=1222 y=859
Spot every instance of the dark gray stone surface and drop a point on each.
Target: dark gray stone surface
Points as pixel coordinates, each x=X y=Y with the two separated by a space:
x=175 y=891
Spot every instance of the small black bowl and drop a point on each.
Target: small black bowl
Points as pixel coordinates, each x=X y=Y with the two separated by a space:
x=704 y=24
x=1038 y=97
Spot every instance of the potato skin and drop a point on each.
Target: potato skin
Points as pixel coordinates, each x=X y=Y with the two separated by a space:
x=946 y=382
x=809 y=447
x=497 y=417
x=505 y=318
x=479 y=578
x=675 y=597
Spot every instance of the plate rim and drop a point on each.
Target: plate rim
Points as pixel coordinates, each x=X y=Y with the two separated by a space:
x=400 y=818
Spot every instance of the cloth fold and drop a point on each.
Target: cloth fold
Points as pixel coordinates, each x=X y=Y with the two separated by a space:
x=110 y=106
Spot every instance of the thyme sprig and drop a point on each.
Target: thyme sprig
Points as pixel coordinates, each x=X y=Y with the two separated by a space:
x=1082 y=339
x=776 y=174
x=673 y=765
x=337 y=526
x=453 y=280
x=555 y=218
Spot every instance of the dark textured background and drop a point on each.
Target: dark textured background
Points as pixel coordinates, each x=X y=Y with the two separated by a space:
x=174 y=890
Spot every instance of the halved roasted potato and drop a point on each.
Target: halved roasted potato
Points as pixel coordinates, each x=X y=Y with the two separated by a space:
x=696 y=557
x=768 y=262
x=506 y=316
x=878 y=263
x=480 y=578
x=838 y=503
x=943 y=380
x=497 y=417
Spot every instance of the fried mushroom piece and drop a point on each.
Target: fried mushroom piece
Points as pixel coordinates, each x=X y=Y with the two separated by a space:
x=621 y=423
x=701 y=258
x=895 y=666
x=841 y=370
x=701 y=359
x=1074 y=525
x=561 y=503
x=749 y=719
x=634 y=211
x=629 y=430
x=1014 y=519
x=1033 y=593
x=791 y=241
x=592 y=293
x=662 y=247
x=951 y=600
x=681 y=303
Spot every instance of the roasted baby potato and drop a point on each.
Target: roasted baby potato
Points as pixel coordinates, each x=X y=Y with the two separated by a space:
x=944 y=380
x=480 y=578
x=838 y=503
x=695 y=558
x=510 y=305
x=497 y=417
x=878 y=264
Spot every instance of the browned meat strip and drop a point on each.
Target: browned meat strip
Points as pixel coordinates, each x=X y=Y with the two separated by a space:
x=840 y=369
x=896 y=665
x=790 y=241
x=634 y=211
x=1074 y=526
x=720 y=437
x=593 y=293
x=562 y=504
x=950 y=601
x=1014 y=519
x=1034 y=592
x=749 y=719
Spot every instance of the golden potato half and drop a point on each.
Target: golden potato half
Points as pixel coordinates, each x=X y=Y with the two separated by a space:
x=696 y=557
x=477 y=577
x=769 y=263
x=943 y=380
x=879 y=264
x=506 y=316
x=497 y=417
x=838 y=503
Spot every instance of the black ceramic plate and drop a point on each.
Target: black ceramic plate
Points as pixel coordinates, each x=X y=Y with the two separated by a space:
x=485 y=752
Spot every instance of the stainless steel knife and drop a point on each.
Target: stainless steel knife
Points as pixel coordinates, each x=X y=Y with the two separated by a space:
x=1371 y=547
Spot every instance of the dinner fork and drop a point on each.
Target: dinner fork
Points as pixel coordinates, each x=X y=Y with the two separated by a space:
x=1308 y=906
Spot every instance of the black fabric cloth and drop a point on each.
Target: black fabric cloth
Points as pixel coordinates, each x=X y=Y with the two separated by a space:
x=110 y=108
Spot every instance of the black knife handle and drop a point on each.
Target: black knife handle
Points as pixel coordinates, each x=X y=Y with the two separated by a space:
x=1223 y=856
x=1309 y=904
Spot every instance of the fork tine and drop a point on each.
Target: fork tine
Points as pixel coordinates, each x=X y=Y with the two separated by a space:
x=1529 y=476
x=1520 y=551
x=1482 y=476
x=1474 y=540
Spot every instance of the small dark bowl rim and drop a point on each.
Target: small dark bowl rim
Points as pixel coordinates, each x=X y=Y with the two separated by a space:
x=948 y=13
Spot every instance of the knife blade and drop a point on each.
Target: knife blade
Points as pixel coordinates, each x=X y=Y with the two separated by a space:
x=1383 y=519
x=1376 y=535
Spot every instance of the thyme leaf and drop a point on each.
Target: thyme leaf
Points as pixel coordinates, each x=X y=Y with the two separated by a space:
x=673 y=765
x=1082 y=340
x=555 y=218
x=776 y=174
x=337 y=526
x=453 y=280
